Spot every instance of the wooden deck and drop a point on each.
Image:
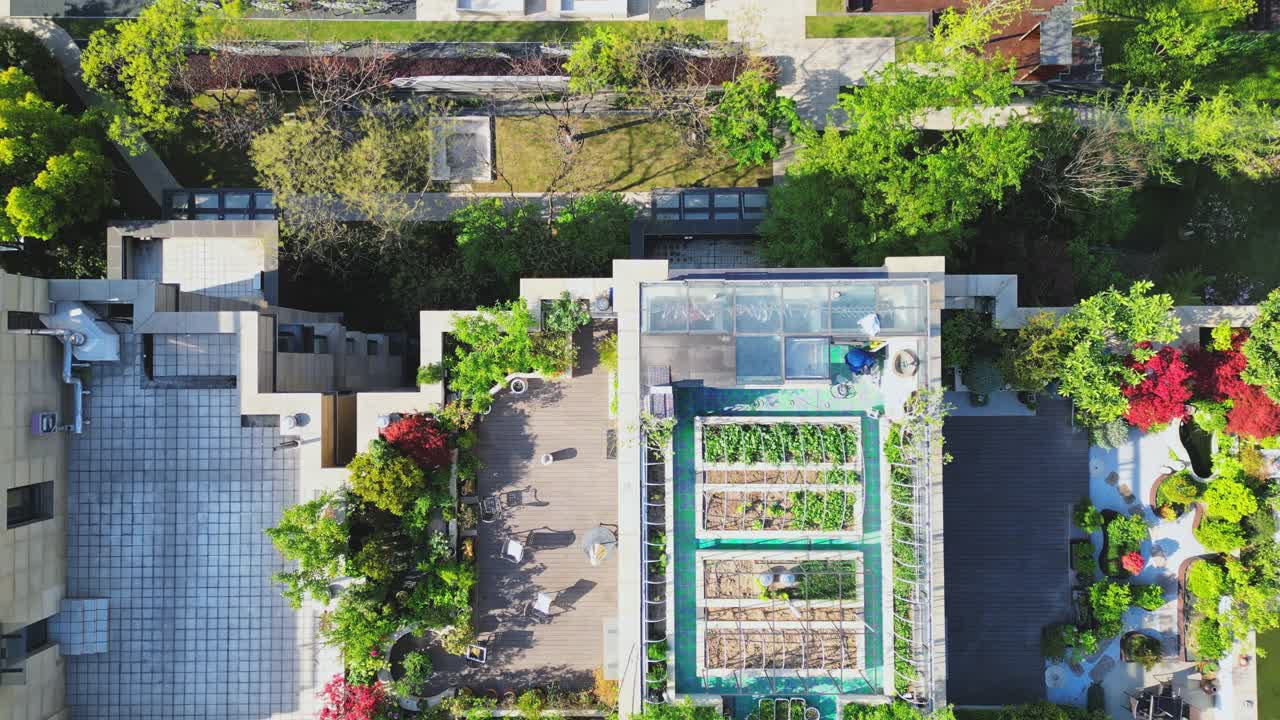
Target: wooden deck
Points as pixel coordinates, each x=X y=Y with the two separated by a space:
x=559 y=504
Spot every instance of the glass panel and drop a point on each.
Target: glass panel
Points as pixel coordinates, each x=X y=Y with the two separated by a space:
x=755 y=200
x=757 y=309
x=805 y=308
x=665 y=309
x=849 y=303
x=206 y=200
x=697 y=215
x=669 y=215
x=666 y=200
x=727 y=200
x=179 y=200
x=235 y=200
x=264 y=201
x=726 y=214
x=235 y=216
x=808 y=358
x=709 y=308
x=901 y=307
x=696 y=200
x=759 y=358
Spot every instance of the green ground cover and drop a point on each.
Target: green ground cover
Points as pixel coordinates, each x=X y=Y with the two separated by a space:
x=828 y=7
x=864 y=26
x=619 y=154
x=400 y=31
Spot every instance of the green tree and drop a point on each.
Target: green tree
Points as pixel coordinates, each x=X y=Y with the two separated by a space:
x=24 y=51
x=52 y=170
x=492 y=343
x=815 y=220
x=912 y=184
x=389 y=480
x=746 y=123
x=311 y=534
x=1031 y=357
x=1101 y=330
x=607 y=58
x=1227 y=134
x=139 y=64
x=1262 y=349
x=1220 y=536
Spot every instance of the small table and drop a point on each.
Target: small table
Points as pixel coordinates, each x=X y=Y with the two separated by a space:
x=598 y=545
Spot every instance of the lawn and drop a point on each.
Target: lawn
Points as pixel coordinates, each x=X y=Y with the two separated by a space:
x=1251 y=72
x=830 y=7
x=1269 y=676
x=621 y=153
x=404 y=31
x=864 y=26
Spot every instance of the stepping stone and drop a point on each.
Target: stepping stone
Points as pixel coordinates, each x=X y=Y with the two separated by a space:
x=1103 y=667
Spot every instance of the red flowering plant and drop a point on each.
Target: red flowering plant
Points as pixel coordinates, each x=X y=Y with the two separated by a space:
x=419 y=437
x=345 y=701
x=1161 y=394
x=1132 y=562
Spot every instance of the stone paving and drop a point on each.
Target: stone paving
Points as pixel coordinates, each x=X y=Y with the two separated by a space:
x=167 y=501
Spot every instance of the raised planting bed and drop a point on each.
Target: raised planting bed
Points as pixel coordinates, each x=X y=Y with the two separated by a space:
x=781 y=510
x=778 y=612
x=814 y=579
x=730 y=444
x=1137 y=647
x=1174 y=491
x=781 y=649
x=1110 y=559
x=781 y=476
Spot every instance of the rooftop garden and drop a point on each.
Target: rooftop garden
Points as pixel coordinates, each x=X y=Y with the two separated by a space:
x=1112 y=355
x=794 y=511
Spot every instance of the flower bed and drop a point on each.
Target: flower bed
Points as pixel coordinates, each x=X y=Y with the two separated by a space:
x=781 y=511
x=1118 y=541
x=779 y=443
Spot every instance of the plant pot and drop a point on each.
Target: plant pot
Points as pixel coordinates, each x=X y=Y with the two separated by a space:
x=519 y=386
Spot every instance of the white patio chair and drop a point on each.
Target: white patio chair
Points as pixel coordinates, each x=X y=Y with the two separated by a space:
x=514 y=551
x=541 y=606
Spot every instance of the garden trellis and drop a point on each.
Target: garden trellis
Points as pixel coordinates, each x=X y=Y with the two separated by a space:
x=908 y=453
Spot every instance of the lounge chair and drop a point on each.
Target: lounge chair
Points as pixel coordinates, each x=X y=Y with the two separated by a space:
x=513 y=551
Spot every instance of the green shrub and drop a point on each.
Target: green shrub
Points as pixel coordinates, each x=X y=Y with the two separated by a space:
x=1220 y=536
x=898 y=710
x=1206 y=581
x=746 y=122
x=430 y=374
x=1142 y=649
x=1108 y=601
x=1110 y=435
x=417 y=671
x=1148 y=597
x=358 y=625
x=1210 y=643
x=1126 y=532
x=390 y=481
x=1229 y=499
x=565 y=315
x=1087 y=517
x=309 y=534
x=1209 y=416
x=982 y=377
x=1084 y=561
x=1180 y=488
x=607 y=349
x=965 y=336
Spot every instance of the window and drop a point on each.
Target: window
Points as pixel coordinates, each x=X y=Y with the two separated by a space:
x=321 y=345
x=30 y=503
x=37 y=635
x=373 y=347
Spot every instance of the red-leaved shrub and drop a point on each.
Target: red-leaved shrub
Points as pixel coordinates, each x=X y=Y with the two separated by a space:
x=1215 y=374
x=1162 y=395
x=1253 y=414
x=1132 y=562
x=344 y=701
x=419 y=437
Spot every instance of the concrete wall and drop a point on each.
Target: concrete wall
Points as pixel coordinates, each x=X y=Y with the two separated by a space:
x=33 y=559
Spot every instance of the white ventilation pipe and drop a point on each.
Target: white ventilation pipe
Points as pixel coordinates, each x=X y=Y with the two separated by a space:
x=70 y=339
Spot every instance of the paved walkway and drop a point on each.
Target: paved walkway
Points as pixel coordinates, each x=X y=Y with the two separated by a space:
x=812 y=70
x=148 y=166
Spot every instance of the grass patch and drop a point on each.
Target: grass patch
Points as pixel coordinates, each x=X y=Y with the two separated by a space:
x=1253 y=72
x=621 y=153
x=404 y=31
x=1110 y=32
x=864 y=26
x=830 y=7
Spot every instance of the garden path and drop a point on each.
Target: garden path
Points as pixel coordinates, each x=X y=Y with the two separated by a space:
x=1137 y=464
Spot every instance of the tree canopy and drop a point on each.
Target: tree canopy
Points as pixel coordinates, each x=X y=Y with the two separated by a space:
x=52 y=170
x=746 y=123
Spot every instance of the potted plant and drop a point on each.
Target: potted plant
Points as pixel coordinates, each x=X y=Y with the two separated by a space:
x=766 y=709
x=467 y=550
x=468 y=518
